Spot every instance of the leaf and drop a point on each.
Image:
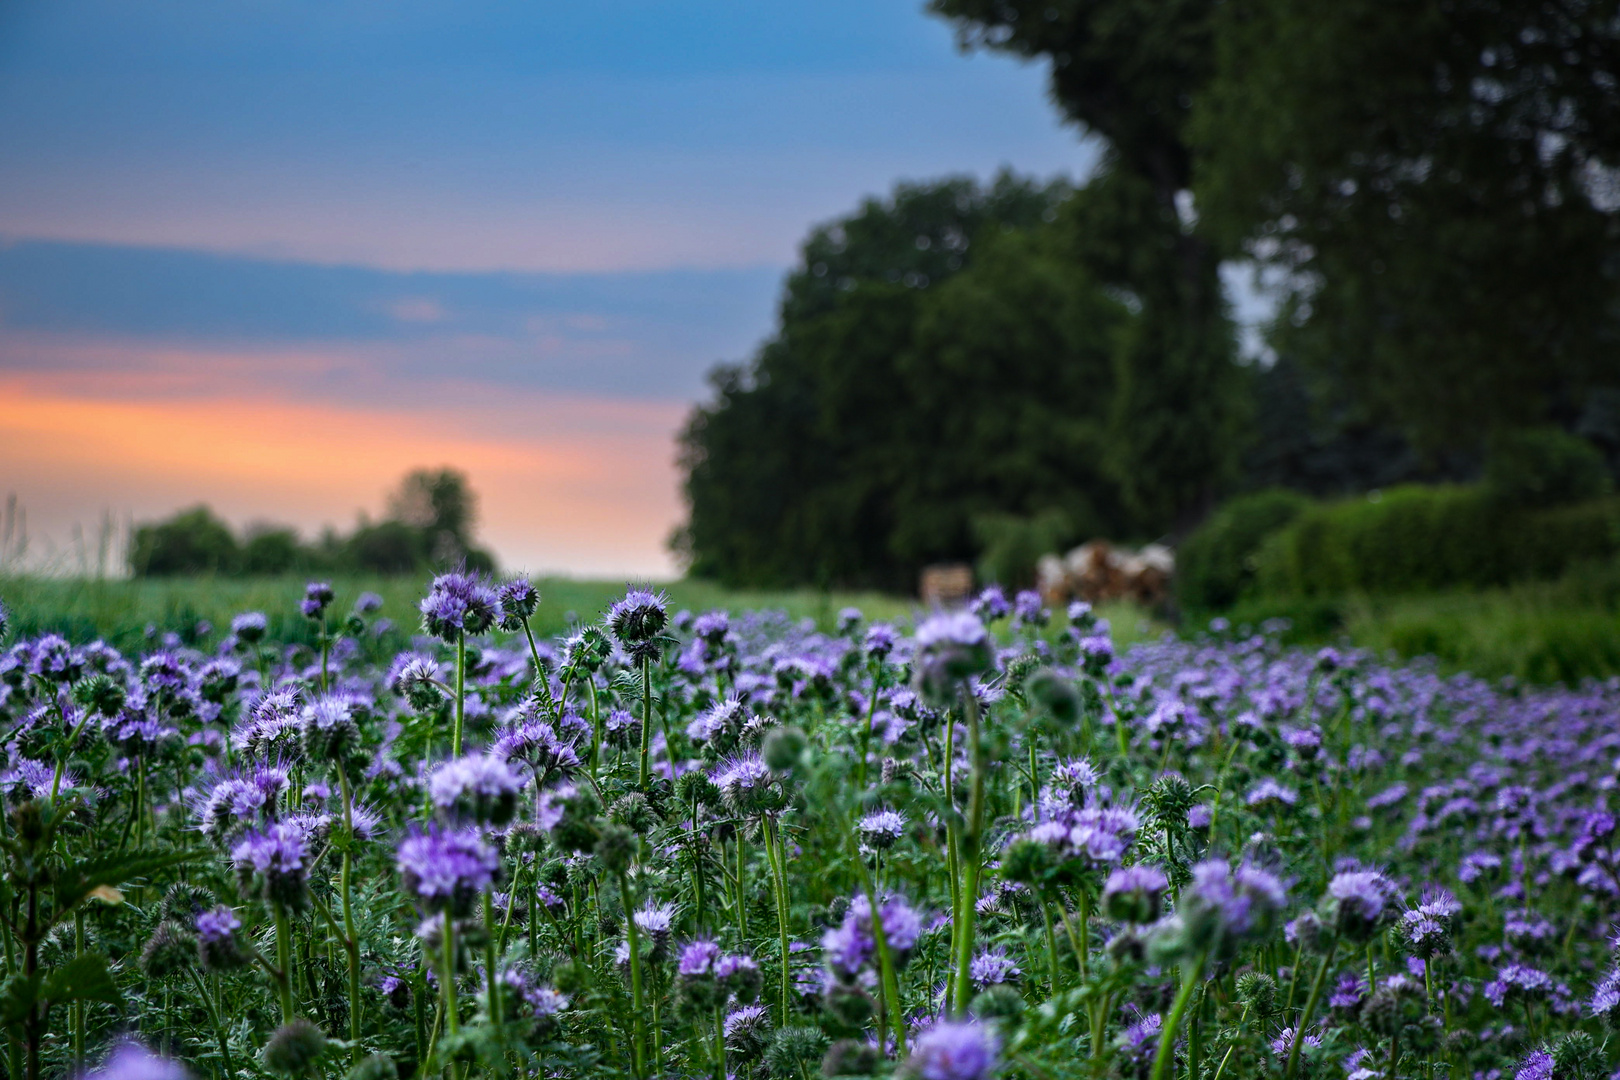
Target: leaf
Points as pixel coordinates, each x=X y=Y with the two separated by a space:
x=84 y=978
x=78 y=881
x=17 y=996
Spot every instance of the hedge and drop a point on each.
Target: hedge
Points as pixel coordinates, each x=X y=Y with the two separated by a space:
x=1423 y=539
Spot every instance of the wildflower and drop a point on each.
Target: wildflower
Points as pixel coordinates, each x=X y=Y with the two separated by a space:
x=993 y=966
x=954 y=1051
x=880 y=641
x=851 y=946
x=294 y=1048
x=477 y=788
x=1358 y=903
x=1029 y=610
x=991 y=604
x=517 y=600
x=951 y=648
x=317 y=596
x=748 y=785
x=458 y=604
x=447 y=870
x=132 y=1061
x=218 y=946
x=1134 y=894
x=881 y=829
x=1221 y=910
x=637 y=620
x=329 y=729
x=1516 y=981
x=275 y=860
x=746 y=1031
x=250 y=626
x=656 y=921
x=1537 y=1065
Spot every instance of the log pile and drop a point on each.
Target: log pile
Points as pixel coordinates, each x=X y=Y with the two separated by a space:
x=1097 y=572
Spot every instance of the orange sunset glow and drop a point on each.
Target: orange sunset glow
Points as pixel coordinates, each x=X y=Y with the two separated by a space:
x=586 y=484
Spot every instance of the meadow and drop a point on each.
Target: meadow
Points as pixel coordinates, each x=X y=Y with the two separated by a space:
x=375 y=834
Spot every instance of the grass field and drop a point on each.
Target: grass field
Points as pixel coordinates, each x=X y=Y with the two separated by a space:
x=120 y=611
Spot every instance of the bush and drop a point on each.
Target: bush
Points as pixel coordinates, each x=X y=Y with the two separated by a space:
x=271 y=550
x=192 y=542
x=1427 y=539
x=1215 y=565
x=1544 y=467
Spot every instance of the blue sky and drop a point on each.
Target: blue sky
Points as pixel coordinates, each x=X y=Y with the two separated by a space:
x=365 y=206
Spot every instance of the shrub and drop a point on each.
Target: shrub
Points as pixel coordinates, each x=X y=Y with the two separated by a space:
x=1425 y=539
x=1011 y=545
x=192 y=542
x=271 y=550
x=1215 y=565
x=1544 y=467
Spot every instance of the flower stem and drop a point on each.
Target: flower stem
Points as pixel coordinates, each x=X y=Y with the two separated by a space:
x=970 y=856
x=1172 y=1025
x=633 y=934
x=646 y=723
x=284 y=963
x=1310 y=1010
x=461 y=693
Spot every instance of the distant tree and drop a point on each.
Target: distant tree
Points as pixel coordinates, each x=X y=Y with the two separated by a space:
x=191 y=542
x=441 y=503
x=910 y=397
x=387 y=547
x=271 y=549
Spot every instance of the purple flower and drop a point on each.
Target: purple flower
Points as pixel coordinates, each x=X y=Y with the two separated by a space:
x=276 y=859
x=218 y=947
x=1517 y=981
x=1028 y=609
x=1134 y=894
x=1222 y=910
x=951 y=648
x=317 y=596
x=517 y=600
x=881 y=829
x=1538 y=1065
x=537 y=743
x=457 y=604
x=250 y=626
x=993 y=966
x=747 y=785
x=991 y=604
x=447 y=870
x=1269 y=793
x=697 y=958
x=954 y=1051
x=132 y=1061
x=880 y=640
x=477 y=788
x=1360 y=901
x=638 y=618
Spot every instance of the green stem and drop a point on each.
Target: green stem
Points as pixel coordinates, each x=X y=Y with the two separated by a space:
x=779 y=887
x=351 y=941
x=1172 y=1024
x=219 y=1028
x=633 y=934
x=1310 y=1011
x=284 y=963
x=447 y=976
x=461 y=693
x=646 y=724
x=492 y=985
x=971 y=837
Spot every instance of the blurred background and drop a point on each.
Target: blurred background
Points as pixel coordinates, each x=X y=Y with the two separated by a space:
x=1218 y=309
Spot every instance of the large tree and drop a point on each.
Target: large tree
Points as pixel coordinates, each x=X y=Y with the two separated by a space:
x=1436 y=179
x=1129 y=72
x=941 y=356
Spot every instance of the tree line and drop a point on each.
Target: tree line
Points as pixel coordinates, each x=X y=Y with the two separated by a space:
x=429 y=523
x=1431 y=188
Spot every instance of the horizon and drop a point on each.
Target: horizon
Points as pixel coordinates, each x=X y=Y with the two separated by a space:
x=269 y=260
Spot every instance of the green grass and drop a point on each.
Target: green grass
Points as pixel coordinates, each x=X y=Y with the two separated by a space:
x=1539 y=632
x=120 y=611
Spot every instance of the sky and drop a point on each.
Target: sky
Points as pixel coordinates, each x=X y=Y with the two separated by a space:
x=272 y=254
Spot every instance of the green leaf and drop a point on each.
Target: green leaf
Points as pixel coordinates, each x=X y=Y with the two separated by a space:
x=84 y=978
x=77 y=881
x=17 y=996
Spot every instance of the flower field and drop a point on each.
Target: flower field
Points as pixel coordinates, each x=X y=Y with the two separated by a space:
x=667 y=844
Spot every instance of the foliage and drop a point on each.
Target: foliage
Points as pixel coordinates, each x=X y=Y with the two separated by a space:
x=595 y=881
x=888 y=415
x=191 y=542
x=1435 y=186
x=1540 y=467
x=1216 y=564
x=1420 y=539
x=432 y=517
